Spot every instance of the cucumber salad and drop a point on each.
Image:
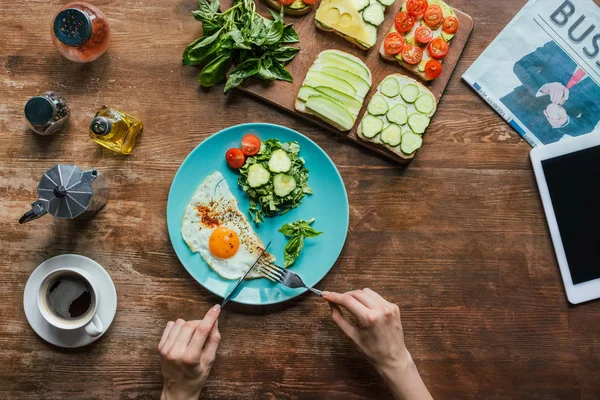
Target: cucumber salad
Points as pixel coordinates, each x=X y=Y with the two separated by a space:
x=273 y=175
x=398 y=115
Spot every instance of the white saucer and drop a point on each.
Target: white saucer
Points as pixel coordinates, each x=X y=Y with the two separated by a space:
x=107 y=307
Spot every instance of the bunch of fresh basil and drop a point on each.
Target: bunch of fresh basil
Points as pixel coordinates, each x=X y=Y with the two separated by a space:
x=297 y=232
x=240 y=36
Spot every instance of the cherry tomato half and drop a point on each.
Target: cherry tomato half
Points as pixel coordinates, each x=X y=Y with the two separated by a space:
x=416 y=7
x=309 y=2
x=393 y=43
x=412 y=54
x=438 y=48
x=404 y=22
x=250 y=144
x=235 y=158
x=433 y=69
x=286 y=2
x=450 y=24
x=423 y=34
x=433 y=16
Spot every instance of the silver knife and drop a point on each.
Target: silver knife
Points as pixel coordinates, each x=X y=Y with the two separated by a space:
x=237 y=285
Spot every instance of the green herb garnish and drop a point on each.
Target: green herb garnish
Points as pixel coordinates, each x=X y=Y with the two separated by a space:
x=240 y=36
x=263 y=200
x=297 y=232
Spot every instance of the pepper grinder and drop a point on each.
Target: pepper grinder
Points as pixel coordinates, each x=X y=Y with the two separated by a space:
x=67 y=192
x=47 y=113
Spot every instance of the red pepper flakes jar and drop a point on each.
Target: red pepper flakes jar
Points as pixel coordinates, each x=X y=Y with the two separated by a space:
x=80 y=32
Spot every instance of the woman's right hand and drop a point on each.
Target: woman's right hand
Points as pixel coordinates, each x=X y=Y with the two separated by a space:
x=378 y=335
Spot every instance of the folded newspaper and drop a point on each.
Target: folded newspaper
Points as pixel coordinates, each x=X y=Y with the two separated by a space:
x=542 y=73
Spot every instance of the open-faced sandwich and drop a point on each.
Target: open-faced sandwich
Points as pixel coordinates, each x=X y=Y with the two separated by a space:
x=292 y=7
x=419 y=38
x=398 y=115
x=335 y=88
x=354 y=20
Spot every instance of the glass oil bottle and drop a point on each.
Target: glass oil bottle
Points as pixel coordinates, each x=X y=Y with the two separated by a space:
x=115 y=130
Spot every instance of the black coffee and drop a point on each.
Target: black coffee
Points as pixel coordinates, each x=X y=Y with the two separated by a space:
x=69 y=296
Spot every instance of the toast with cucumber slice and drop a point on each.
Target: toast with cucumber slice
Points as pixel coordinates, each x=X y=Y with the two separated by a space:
x=398 y=115
x=354 y=20
x=419 y=37
x=334 y=89
x=293 y=7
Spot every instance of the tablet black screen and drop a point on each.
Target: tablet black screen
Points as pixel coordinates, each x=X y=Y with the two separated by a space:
x=574 y=185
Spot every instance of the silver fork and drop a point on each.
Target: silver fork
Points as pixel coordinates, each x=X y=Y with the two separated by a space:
x=285 y=277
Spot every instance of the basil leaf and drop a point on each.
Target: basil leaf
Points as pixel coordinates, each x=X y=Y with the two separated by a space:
x=215 y=71
x=285 y=54
x=289 y=35
x=239 y=40
x=271 y=69
x=310 y=232
x=292 y=250
x=241 y=72
x=215 y=5
x=199 y=51
x=289 y=230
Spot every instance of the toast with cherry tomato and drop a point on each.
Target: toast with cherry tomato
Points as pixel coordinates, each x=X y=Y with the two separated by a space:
x=420 y=37
x=292 y=7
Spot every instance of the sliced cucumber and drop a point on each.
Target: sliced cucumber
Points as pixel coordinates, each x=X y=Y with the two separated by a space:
x=358 y=83
x=373 y=14
x=331 y=111
x=423 y=64
x=378 y=105
x=391 y=135
x=411 y=142
x=398 y=114
x=361 y=4
x=280 y=161
x=349 y=64
x=418 y=122
x=425 y=103
x=372 y=32
x=306 y=91
x=371 y=126
x=410 y=92
x=318 y=78
x=298 y=5
x=387 y=3
x=349 y=102
x=258 y=175
x=390 y=87
x=283 y=184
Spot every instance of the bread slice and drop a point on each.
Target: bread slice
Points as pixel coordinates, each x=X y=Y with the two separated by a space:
x=274 y=4
x=403 y=80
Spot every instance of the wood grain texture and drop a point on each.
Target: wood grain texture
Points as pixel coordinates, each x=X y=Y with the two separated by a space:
x=458 y=240
x=313 y=41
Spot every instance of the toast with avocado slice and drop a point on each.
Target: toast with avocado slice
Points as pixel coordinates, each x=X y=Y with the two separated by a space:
x=424 y=39
x=354 y=20
x=297 y=7
x=334 y=89
x=398 y=115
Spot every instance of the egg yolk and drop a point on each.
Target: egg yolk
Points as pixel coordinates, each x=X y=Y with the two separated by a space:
x=223 y=242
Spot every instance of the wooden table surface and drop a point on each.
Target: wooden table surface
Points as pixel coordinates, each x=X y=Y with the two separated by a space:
x=458 y=239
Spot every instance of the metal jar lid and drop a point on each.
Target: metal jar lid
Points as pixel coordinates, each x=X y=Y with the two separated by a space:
x=100 y=126
x=40 y=110
x=72 y=27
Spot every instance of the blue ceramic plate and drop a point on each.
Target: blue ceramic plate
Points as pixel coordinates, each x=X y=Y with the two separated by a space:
x=328 y=205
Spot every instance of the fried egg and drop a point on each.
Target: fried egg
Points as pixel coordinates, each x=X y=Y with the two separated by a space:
x=214 y=226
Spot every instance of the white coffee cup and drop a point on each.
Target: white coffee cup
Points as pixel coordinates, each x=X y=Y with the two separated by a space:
x=89 y=320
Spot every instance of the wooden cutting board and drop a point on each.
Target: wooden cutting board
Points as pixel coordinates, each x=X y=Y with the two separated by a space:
x=313 y=41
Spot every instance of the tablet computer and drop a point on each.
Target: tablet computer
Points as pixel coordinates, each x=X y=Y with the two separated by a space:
x=568 y=177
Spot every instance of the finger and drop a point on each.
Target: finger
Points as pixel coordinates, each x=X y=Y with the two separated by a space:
x=342 y=322
x=172 y=336
x=375 y=294
x=350 y=303
x=554 y=96
x=184 y=336
x=203 y=330
x=212 y=344
x=165 y=334
x=366 y=299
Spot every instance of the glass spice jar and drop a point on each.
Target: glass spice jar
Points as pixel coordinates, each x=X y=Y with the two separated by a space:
x=115 y=130
x=80 y=31
x=47 y=113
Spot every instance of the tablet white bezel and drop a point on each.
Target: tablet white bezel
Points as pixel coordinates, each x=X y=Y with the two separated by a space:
x=583 y=291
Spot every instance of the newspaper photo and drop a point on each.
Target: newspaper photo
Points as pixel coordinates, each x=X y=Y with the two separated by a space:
x=542 y=73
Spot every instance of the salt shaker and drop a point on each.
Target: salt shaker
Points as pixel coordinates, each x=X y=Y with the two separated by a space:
x=47 y=113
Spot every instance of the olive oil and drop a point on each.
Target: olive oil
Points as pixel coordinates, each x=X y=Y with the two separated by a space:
x=115 y=130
